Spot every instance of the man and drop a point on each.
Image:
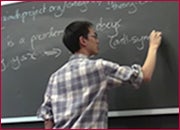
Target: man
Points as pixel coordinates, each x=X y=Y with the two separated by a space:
x=76 y=95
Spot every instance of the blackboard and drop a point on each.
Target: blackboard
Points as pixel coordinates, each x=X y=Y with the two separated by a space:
x=32 y=50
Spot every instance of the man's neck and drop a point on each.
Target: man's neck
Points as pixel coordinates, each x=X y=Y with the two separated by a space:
x=83 y=52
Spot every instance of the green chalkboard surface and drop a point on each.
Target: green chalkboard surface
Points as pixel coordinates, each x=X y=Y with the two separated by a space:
x=32 y=50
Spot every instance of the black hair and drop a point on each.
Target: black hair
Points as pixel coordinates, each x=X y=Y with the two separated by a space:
x=72 y=33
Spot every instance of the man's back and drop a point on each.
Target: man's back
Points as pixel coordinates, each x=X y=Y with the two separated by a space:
x=77 y=94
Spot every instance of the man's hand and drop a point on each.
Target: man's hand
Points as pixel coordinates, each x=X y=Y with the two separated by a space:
x=155 y=39
x=48 y=124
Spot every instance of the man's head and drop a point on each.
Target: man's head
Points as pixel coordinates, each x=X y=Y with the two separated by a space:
x=79 y=36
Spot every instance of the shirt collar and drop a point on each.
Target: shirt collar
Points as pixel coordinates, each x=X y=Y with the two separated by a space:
x=77 y=56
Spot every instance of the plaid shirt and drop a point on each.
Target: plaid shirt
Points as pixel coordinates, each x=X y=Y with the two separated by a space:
x=76 y=95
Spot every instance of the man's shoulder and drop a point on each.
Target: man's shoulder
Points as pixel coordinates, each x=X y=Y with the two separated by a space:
x=60 y=70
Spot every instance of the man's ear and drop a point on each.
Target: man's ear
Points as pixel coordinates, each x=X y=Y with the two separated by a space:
x=82 y=41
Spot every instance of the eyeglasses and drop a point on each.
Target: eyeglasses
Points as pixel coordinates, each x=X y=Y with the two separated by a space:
x=93 y=35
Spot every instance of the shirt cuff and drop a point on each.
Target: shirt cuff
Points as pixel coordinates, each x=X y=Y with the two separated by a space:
x=137 y=77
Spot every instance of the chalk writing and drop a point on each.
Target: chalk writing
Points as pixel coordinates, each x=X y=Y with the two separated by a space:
x=115 y=39
x=50 y=34
x=60 y=8
x=132 y=6
x=3 y=67
x=22 y=40
x=55 y=51
x=32 y=43
x=15 y=62
x=10 y=43
x=23 y=15
x=124 y=39
x=115 y=25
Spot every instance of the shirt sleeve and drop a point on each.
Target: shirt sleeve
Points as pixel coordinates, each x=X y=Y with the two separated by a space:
x=45 y=110
x=118 y=75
